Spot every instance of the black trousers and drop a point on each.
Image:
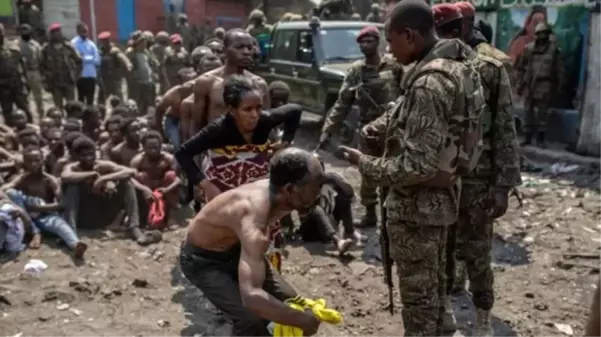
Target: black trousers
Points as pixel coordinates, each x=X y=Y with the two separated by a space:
x=86 y=87
x=216 y=275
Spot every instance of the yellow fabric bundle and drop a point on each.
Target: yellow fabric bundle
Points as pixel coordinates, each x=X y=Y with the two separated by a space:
x=318 y=308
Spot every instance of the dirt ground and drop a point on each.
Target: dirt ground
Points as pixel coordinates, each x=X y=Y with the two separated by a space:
x=546 y=263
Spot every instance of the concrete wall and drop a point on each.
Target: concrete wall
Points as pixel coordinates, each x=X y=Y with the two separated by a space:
x=590 y=126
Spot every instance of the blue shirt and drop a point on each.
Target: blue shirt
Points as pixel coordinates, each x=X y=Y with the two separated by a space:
x=89 y=54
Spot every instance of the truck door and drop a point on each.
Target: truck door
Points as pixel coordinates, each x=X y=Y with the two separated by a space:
x=282 y=58
x=304 y=73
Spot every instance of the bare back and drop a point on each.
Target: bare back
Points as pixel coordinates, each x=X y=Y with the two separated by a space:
x=219 y=224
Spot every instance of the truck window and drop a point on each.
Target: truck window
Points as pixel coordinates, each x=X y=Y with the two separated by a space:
x=341 y=44
x=285 y=45
x=305 y=46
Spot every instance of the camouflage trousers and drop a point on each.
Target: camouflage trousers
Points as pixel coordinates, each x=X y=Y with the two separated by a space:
x=368 y=191
x=36 y=88
x=10 y=97
x=472 y=241
x=145 y=95
x=110 y=86
x=61 y=95
x=419 y=254
x=537 y=112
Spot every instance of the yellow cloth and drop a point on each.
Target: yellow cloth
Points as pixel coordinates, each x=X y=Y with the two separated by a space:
x=318 y=308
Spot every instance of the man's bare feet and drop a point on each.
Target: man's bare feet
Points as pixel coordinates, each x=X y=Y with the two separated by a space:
x=79 y=249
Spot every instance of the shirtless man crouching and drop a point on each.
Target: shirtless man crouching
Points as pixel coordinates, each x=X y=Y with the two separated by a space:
x=208 y=89
x=226 y=243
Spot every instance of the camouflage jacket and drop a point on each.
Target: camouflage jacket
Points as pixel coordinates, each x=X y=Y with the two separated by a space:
x=32 y=53
x=499 y=163
x=185 y=32
x=420 y=139
x=61 y=64
x=13 y=73
x=114 y=64
x=153 y=63
x=31 y=15
x=371 y=17
x=174 y=61
x=256 y=31
x=159 y=52
x=540 y=70
x=371 y=88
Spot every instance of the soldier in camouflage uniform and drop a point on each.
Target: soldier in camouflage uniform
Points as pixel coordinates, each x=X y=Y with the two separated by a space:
x=184 y=30
x=176 y=58
x=335 y=9
x=424 y=153
x=30 y=14
x=375 y=15
x=257 y=24
x=206 y=32
x=540 y=76
x=144 y=74
x=114 y=67
x=60 y=67
x=218 y=33
x=159 y=51
x=129 y=51
x=485 y=192
x=13 y=79
x=371 y=84
x=32 y=53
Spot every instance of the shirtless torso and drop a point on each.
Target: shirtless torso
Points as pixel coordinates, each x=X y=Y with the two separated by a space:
x=186 y=108
x=155 y=169
x=42 y=185
x=170 y=103
x=238 y=215
x=208 y=96
x=123 y=154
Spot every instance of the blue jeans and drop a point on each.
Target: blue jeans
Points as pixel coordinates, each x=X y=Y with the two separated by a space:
x=171 y=128
x=51 y=223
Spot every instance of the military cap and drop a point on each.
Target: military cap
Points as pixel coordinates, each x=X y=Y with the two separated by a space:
x=445 y=13
x=375 y=6
x=182 y=16
x=162 y=34
x=148 y=34
x=54 y=26
x=356 y=17
x=176 y=38
x=23 y=28
x=368 y=31
x=466 y=8
x=256 y=14
x=104 y=35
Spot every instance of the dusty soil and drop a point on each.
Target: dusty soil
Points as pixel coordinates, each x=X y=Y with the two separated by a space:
x=123 y=289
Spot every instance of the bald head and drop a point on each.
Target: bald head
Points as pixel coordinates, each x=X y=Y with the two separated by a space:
x=411 y=14
x=233 y=34
x=293 y=166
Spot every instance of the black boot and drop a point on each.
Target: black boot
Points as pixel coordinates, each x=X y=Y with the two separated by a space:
x=540 y=140
x=370 y=219
x=527 y=139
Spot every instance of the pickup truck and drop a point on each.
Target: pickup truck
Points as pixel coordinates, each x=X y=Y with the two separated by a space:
x=312 y=58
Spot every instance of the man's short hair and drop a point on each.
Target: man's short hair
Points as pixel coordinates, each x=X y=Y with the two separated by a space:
x=412 y=14
x=120 y=110
x=152 y=134
x=279 y=87
x=73 y=106
x=115 y=119
x=289 y=166
x=231 y=34
x=70 y=138
x=84 y=143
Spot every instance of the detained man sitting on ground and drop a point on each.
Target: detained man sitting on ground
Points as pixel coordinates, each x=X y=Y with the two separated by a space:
x=99 y=189
x=156 y=179
x=40 y=194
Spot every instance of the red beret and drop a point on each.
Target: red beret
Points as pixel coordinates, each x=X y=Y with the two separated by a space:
x=176 y=38
x=444 y=13
x=466 y=8
x=368 y=31
x=104 y=35
x=54 y=26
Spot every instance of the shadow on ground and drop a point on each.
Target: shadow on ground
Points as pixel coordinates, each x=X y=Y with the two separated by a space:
x=465 y=313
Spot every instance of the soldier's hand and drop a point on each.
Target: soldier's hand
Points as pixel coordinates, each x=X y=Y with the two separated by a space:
x=369 y=132
x=351 y=155
x=500 y=202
